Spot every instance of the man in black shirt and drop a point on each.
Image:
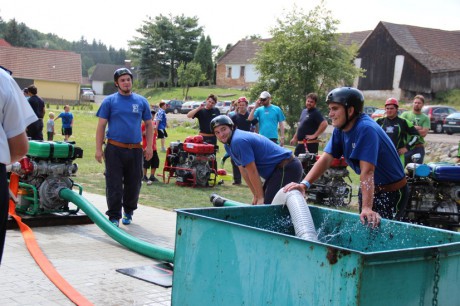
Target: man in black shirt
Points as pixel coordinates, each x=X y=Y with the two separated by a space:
x=311 y=125
x=35 y=129
x=205 y=113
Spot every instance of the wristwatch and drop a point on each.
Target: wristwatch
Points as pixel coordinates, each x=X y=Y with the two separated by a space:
x=306 y=183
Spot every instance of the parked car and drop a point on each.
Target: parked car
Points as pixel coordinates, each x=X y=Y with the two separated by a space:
x=369 y=109
x=451 y=123
x=437 y=114
x=88 y=95
x=174 y=106
x=188 y=106
x=379 y=112
x=223 y=106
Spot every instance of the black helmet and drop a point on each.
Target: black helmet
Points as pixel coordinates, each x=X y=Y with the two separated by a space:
x=221 y=120
x=121 y=71
x=347 y=96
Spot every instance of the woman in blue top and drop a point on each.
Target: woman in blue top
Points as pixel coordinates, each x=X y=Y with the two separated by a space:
x=369 y=152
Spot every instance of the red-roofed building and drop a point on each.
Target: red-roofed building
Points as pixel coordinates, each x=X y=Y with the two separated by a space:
x=4 y=43
x=56 y=74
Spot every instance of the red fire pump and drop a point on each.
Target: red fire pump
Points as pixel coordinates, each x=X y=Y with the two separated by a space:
x=192 y=163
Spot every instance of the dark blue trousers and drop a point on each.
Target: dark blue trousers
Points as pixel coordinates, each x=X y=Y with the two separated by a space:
x=123 y=178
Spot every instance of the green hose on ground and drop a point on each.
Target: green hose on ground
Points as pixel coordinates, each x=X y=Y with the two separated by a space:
x=117 y=234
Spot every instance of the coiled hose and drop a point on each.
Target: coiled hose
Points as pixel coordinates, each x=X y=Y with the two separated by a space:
x=300 y=213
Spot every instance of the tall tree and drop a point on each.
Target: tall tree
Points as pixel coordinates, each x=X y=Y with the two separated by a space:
x=19 y=35
x=203 y=56
x=167 y=41
x=303 y=56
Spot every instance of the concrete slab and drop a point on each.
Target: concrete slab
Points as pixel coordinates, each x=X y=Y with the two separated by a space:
x=87 y=258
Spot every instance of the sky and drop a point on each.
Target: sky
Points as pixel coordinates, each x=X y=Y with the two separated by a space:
x=114 y=22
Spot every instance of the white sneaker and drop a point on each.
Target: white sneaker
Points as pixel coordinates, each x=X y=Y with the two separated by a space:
x=149 y=182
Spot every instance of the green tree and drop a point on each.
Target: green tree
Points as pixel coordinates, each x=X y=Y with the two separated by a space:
x=165 y=42
x=303 y=56
x=19 y=35
x=203 y=56
x=189 y=75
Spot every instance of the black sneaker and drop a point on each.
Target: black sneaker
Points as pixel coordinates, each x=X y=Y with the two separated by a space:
x=145 y=179
x=153 y=178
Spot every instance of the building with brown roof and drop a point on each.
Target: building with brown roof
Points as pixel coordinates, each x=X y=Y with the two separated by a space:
x=399 y=61
x=403 y=60
x=56 y=74
x=234 y=67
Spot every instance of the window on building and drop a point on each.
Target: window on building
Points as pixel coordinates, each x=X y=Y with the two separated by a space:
x=242 y=68
x=229 y=72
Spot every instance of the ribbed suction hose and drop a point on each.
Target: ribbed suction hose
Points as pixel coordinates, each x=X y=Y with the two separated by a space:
x=300 y=213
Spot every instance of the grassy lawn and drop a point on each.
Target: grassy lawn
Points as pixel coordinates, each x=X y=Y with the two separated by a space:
x=166 y=196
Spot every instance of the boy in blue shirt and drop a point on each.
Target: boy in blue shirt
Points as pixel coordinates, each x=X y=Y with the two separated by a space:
x=67 y=122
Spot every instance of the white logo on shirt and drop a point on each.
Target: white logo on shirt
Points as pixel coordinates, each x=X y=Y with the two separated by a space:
x=135 y=108
x=390 y=129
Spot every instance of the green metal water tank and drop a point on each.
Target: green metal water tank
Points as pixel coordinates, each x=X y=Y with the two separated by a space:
x=250 y=256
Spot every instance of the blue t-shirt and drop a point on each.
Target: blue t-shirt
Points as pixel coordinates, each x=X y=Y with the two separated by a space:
x=66 y=119
x=368 y=142
x=124 y=115
x=161 y=118
x=269 y=117
x=247 y=147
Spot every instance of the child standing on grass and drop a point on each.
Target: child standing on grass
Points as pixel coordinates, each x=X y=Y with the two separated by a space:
x=50 y=126
x=154 y=162
x=67 y=122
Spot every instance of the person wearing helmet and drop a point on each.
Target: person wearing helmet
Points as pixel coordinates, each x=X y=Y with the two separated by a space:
x=257 y=157
x=402 y=132
x=123 y=113
x=369 y=152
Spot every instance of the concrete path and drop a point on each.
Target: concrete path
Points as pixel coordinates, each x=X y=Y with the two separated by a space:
x=87 y=258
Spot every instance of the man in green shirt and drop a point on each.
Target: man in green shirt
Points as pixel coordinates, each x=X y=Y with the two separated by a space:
x=422 y=123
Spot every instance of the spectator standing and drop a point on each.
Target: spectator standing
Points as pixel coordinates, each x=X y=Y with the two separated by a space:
x=67 y=122
x=123 y=112
x=422 y=125
x=240 y=121
x=35 y=130
x=369 y=152
x=50 y=126
x=258 y=158
x=154 y=162
x=401 y=131
x=15 y=116
x=205 y=113
x=270 y=117
x=162 y=124
x=311 y=125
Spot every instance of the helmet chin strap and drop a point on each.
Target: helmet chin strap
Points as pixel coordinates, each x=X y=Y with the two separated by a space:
x=347 y=119
x=230 y=138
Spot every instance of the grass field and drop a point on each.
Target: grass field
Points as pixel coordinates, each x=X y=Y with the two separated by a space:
x=166 y=196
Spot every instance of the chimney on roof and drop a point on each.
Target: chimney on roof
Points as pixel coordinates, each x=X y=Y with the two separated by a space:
x=128 y=64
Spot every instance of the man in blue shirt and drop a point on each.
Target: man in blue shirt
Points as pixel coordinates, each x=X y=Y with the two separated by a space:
x=257 y=157
x=270 y=117
x=369 y=152
x=123 y=112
